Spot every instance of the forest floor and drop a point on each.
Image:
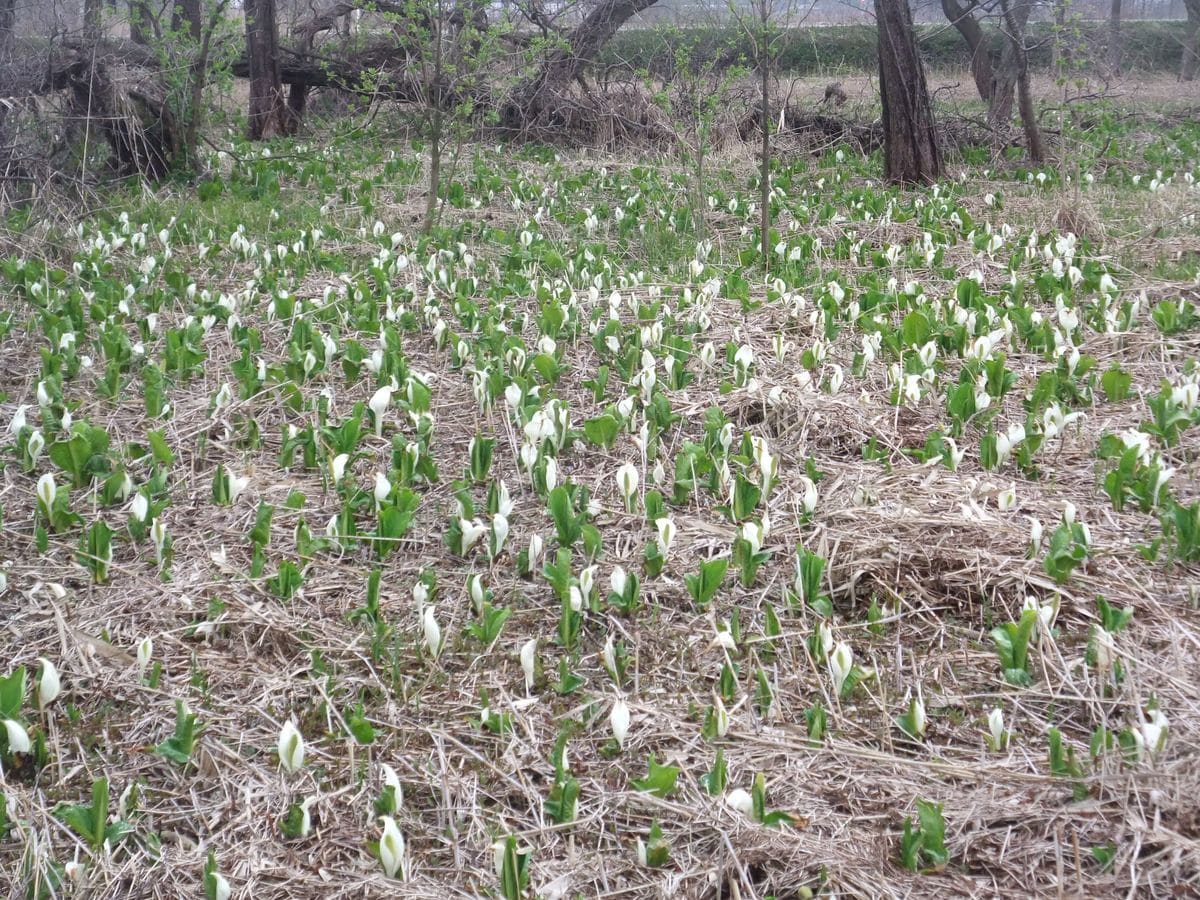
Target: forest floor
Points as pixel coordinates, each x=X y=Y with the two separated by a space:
x=650 y=577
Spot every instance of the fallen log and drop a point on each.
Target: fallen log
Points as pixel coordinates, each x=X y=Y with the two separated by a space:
x=377 y=72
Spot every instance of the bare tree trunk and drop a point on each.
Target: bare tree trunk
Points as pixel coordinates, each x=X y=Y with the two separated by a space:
x=8 y=17
x=1004 y=81
x=435 y=129
x=1016 y=37
x=269 y=115
x=185 y=15
x=981 y=56
x=1191 y=43
x=1114 y=37
x=910 y=147
x=531 y=97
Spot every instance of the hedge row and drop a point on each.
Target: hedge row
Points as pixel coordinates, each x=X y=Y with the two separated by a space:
x=1148 y=46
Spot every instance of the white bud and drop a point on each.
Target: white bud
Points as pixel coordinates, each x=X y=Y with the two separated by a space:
x=18 y=737
x=627 y=481
x=379 y=403
x=433 y=632
x=139 y=508
x=618 y=719
x=47 y=491
x=291 y=747
x=49 y=685
x=529 y=662
x=391 y=849
x=145 y=651
x=996 y=727
x=383 y=489
x=741 y=801
x=841 y=662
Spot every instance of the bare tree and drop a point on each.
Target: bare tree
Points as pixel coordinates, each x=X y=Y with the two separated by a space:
x=1191 y=43
x=8 y=17
x=910 y=146
x=1114 y=37
x=531 y=99
x=1015 y=29
x=964 y=20
x=1003 y=87
x=269 y=115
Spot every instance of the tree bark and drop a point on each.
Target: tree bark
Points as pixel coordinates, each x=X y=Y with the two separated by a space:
x=269 y=116
x=1114 y=37
x=981 y=55
x=1016 y=37
x=1007 y=73
x=910 y=146
x=8 y=17
x=185 y=16
x=1191 y=42
x=531 y=98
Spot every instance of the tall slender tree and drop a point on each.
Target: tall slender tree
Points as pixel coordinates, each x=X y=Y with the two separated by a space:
x=1015 y=29
x=1114 y=37
x=910 y=145
x=8 y=17
x=269 y=115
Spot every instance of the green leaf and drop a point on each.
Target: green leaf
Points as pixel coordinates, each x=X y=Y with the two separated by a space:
x=1116 y=384
x=601 y=431
x=12 y=693
x=360 y=729
x=180 y=746
x=659 y=781
x=915 y=329
x=910 y=847
x=159 y=449
x=703 y=586
x=933 y=831
x=714 y=781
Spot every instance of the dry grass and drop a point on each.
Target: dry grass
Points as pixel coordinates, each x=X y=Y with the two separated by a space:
x=932 y=547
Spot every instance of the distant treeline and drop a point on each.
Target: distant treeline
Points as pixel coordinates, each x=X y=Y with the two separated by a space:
x=1148 y=46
